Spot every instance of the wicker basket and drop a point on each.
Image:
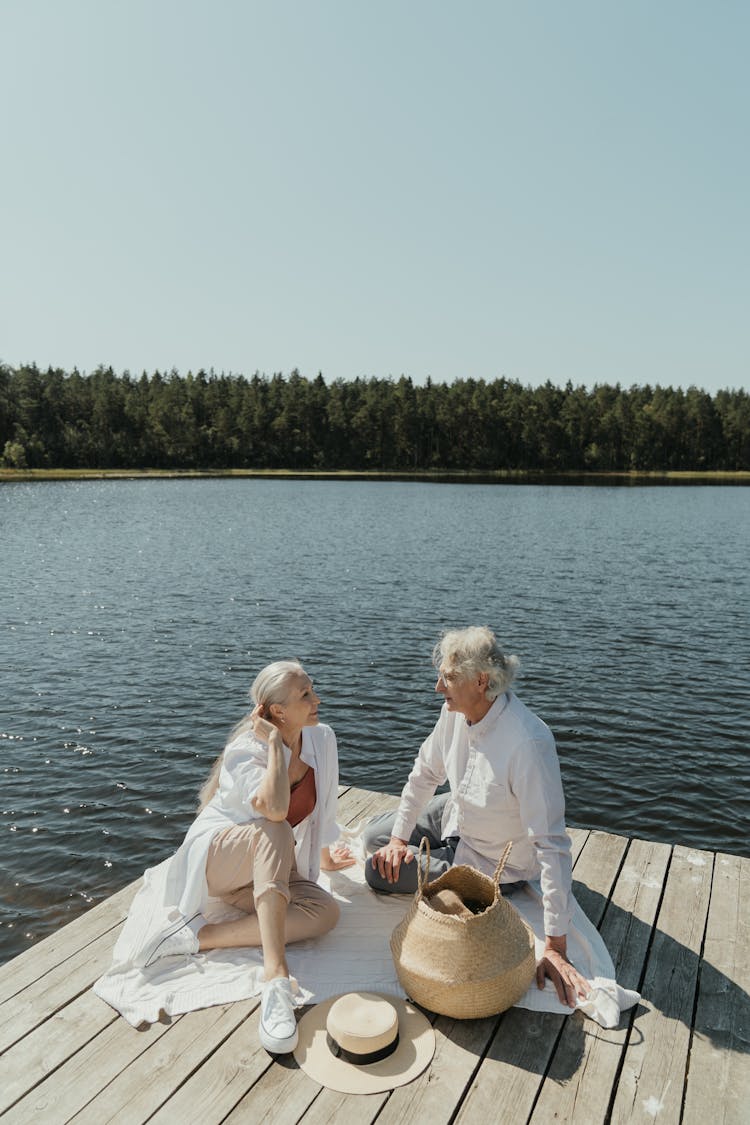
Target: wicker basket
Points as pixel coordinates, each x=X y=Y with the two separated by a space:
x=463 y=967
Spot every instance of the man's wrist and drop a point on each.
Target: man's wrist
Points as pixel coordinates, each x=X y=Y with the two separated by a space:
x=558 y=943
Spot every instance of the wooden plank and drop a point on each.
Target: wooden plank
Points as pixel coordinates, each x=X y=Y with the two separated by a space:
x=26 y=1064
x=578 y=838
x=434 y=1095
x=595 y=872
x=71 y=1087
x=359 y=805
x=512 y=1071
x=340 y=1109
x=212 y=1092
x=142 y=1087
x=653 y=1074
x=282 y=1095
x=53 y=991
x=578 y=1086
x=520 y=1053
x=718 y=1088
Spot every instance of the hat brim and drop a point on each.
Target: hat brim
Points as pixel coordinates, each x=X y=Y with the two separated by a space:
x=416 y=1046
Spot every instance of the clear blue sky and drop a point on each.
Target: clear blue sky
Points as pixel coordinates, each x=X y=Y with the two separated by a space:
x=540 y=190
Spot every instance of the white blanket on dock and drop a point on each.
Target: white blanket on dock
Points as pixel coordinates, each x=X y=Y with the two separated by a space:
x=355 y=955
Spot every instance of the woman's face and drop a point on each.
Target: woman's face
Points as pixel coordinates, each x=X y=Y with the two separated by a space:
x=300 y=708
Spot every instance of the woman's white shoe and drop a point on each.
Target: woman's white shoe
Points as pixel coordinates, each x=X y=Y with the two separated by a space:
x=278 y=1027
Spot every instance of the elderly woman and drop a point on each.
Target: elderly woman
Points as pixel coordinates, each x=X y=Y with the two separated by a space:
x=500 y=762
x=263 y=832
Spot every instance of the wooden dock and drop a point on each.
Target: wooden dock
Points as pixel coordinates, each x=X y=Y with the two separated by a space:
x=676 y=920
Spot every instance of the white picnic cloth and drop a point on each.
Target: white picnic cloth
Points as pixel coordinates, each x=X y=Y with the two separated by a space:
x=355 y=955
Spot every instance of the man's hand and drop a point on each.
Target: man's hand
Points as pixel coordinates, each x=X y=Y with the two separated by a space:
x=555 y=965
x=387 y=860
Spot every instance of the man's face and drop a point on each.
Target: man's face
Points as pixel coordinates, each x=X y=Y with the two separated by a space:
x=467 y=696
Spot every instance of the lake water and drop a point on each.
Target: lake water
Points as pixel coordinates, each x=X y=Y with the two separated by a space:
x=135 y=614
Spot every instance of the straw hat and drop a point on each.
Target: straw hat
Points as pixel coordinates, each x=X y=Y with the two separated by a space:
x=364 y=1043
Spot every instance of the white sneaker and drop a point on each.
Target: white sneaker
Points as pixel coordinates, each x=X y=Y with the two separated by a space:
x=179 y=941
x=278 y=1027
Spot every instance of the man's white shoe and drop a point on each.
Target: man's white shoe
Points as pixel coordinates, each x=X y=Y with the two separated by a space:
x=278 y=1027
x=180 y=941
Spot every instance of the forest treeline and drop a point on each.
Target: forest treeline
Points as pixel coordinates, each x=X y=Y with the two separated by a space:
x=101 y=420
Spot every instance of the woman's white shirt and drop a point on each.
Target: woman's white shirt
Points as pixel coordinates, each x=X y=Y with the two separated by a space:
x=243 y=767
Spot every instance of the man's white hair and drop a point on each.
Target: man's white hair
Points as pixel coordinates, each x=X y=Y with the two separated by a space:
x=470 y=652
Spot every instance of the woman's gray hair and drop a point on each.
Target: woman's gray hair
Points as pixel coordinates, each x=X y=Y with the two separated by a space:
x=270 y=686
x=470 y=652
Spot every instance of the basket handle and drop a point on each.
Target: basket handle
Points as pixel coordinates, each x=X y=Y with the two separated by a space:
x=423 y=843
x=501 y=865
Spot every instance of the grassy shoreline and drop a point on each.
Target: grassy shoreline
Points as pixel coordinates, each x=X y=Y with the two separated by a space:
x=528 y=476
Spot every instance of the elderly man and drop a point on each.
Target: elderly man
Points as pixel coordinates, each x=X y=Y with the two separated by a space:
x=500 y=762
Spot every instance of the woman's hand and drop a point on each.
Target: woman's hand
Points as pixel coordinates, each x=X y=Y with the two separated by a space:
x=336 y=858
x=555 y=964
x=272 y=797
x=262 y=729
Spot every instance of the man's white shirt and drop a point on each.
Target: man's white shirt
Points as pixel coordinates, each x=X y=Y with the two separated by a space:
x=505 y=784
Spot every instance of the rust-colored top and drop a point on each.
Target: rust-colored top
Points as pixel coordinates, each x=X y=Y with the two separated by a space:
x=302 y=800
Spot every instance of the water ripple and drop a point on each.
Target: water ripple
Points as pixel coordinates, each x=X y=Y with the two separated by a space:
x=134 y=615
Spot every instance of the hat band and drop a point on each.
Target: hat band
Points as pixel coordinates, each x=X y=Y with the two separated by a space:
x=360 y=1060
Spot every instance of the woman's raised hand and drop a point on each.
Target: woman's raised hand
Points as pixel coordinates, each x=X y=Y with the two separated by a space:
x=262 y=729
